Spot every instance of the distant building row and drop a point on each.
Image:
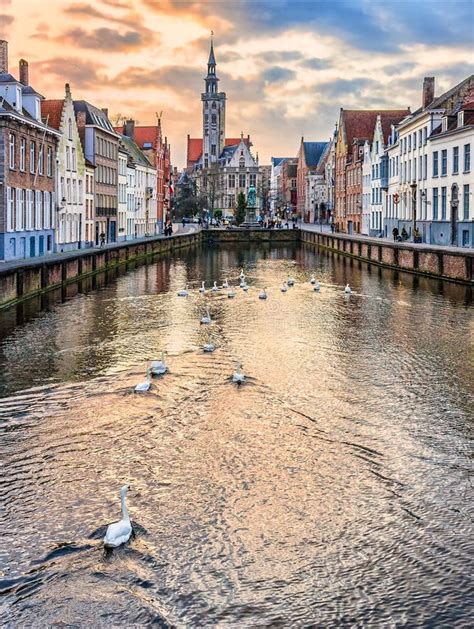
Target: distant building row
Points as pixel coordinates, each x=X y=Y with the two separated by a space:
x=386 y=170
x=68 y=178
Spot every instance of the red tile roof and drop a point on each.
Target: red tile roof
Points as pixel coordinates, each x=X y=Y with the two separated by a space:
x=52 y=110
x=360 y=124
x=195 y=147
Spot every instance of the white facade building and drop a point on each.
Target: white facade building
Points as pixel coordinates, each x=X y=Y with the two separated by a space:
x=378 y=179
x=122 y=194
x=130 y=201
x=366 y=188
x=89 y=204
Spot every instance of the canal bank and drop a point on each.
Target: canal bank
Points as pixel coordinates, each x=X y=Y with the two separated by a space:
x=450 y=263
x=28 y=278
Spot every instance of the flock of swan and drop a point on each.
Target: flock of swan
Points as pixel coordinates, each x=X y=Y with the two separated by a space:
x=120 y=532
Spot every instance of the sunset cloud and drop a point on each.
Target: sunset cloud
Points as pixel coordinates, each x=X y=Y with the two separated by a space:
x=286 y=66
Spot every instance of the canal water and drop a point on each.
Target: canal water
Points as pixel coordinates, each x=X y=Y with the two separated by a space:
x=331 y=489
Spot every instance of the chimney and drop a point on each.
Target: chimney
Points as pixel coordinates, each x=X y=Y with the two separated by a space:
x=67 y=90
x=130 y=128
x=106 y=111
x=3 y=55
x=428 y=91
x=24 y=71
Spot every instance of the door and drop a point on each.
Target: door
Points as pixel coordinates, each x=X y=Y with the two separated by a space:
x=349 y=227
x=454 y=214
x=32 y=247
x=41 y=245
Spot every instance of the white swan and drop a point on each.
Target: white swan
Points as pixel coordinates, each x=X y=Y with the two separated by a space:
x=290 y=281
x=242 y=274
x=142 y=387
x=231 y=294
x=245 y=287
x=207 y=317
x=215 y=287
x=284 y=288
x=263 y=294
x=238 y=377
x=203 y=287
x=348 y=289
x=208 y=347
x=183 y=292
x=243 y=283
x=317 y=286
x=225 y=284
x=119 y=532
x=312 y=280
x=158 y=367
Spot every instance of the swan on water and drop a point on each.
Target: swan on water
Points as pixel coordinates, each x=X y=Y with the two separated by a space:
x=263 y=294
x=245 y=287
x=203 y=287
x=242 y=274
x=208 y=347
x=290 y=281
x=225 y=284
x=158 y=367
x=317 y=286
x=312 y=280
x=207 y=317
x=215 y=287
x=231 y=294
x=243 y=283
x=284 y=288
x=144 y=386
x=119 y=532
x=348 y=289
x=238 y=377
x=183 y=292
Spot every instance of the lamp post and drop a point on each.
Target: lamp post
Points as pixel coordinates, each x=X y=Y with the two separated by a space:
x=413 y=203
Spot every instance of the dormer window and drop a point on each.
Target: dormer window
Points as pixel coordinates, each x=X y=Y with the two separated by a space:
x=444 y=123
x=460 y=121
x=17 y=103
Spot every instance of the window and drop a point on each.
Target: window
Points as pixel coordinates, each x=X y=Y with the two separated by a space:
x=29 y=209
x=22 y=154
x=22 y=209
x=69 y=127
x=455 y=160
x=73 y=159
x=253 y=180
x=414 y=140
x=213 y=149
x=242 y=181
x=425 y=134
x=420 y=137
x=231 y=181
x=68 y=159
x=420 y=168
x=425 y=166
x=242 y=162
x=444 y=162
x=435 y=164
x=12 y=151
x=443 y=203
x=467 y=158
x=49 y=162
x=435 y=204
x=465 y=202
x=11 y=209
x=41 y=160
x=32 y=157
x=409 y=142
x=213 y=119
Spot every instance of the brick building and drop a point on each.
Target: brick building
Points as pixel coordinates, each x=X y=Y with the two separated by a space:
x=355 y=127
x=27 y=168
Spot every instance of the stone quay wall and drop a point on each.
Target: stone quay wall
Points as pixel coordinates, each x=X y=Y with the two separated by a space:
x=27 y=278
x=229 y=236
x=444 y=263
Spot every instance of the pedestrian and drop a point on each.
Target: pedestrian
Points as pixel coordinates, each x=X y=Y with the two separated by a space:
x=395 y=234
x=102 y=239
x=404 y=234
x=184 y=223
x=332 y=227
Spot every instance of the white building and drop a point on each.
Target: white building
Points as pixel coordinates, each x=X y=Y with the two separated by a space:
x=366 y=188
x=130 y=201
x=70 y=174
x=89 y=203
x=378 y=179
x=427 y=161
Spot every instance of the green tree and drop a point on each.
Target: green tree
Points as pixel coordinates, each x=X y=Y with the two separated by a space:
x=241 y=207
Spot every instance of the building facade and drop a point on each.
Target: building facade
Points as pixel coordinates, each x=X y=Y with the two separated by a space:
x=308 y=158
x=70 y=174
x=100 y=145
x=27 y=168
x=122 y=194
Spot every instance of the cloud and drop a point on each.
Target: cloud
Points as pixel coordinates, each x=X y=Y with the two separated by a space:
x=277 y=74
x=106 y=39
x=79 y=73
x=313 y=63
x=6 y=20
x=279 y=56
x=341 y=87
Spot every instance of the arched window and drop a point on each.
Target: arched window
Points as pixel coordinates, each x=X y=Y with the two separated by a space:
x=214 y=104
x=242 y=162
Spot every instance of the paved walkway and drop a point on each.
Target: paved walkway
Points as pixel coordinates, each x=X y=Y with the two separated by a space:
x=67 y=255
x=310 y=227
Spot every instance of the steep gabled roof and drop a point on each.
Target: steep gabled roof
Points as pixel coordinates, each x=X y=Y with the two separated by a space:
x=388 y=119
x=94 y=115
x=360 y=124
x=135 y=153
x=195 y=147
x=51 y=110
x=278 y=160
x=313 y=152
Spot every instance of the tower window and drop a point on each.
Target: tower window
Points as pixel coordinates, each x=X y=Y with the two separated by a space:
x=213 y=104
x=213 y=118
x=213 y=149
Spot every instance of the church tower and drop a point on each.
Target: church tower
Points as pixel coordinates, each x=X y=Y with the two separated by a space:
x=213 y=115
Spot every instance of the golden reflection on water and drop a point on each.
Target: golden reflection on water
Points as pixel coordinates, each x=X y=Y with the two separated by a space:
x=324 y=491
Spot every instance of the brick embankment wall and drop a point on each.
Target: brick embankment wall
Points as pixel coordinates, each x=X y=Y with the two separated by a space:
x=449 y=264
x=28 y=278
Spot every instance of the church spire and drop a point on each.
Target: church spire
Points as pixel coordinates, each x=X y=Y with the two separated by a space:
x=212 y=59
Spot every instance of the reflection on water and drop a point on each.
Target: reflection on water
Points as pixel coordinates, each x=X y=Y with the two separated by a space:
x=331 y=489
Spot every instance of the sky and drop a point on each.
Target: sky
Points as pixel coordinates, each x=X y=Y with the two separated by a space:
x=287 y=66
